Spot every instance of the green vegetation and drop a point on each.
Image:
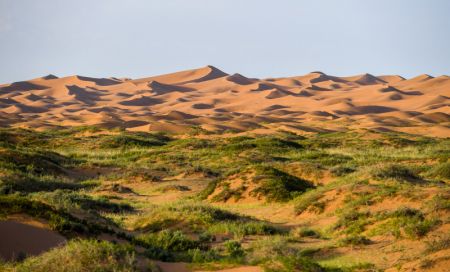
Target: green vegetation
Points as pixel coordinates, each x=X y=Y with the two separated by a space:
x=394 y=172
x=276 y=185
x=441 y=170
x=407 y=222
x=292 y=202
x=79 y=256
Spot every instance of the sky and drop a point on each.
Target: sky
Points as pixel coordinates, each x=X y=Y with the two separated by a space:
x=257 y=38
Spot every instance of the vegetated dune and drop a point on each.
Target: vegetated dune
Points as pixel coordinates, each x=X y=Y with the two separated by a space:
x=201 y=97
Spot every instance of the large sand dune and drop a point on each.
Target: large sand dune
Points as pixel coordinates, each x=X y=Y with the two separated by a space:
x=214 y=100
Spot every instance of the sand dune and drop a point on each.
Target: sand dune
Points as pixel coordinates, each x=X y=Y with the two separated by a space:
x=215 y=100
x=29 y=238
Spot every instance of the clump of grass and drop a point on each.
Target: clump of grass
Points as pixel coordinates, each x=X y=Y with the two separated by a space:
x=133 y=140
x=265 y=249
x=58 y=220
x=234 y=249
x=352 y=222
x=242 y=229
x=33 y=162
x=198 y=217
x=304 y=201
x=407 y=222
x=341 y=170
x=304 y=232
x=354 y=240
x=80 y=255
x=70 y=201
x=227 y=193
x=394 y=172
x=294 y=263
x=169 y=240
x=438 y=244
x=168 y=188
x=212 y=185
x=440 y=202
x=277 y=254
x=28 y=183
x=441 y=170
x=267 y=144
x=170 y=245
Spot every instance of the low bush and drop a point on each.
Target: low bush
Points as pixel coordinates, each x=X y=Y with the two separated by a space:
x=234 y=249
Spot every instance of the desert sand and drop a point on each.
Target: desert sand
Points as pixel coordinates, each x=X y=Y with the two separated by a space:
x=25 y=238
x=213 y=100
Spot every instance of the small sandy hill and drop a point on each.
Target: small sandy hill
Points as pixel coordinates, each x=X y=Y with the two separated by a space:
x=47 y=77
x=391 y=78
x=22 y=238
x=160 y=88
x=21 y=86
x=240 y=79
x=178 y=115
x=195 y=75
x=214 y=100
x=365 y=79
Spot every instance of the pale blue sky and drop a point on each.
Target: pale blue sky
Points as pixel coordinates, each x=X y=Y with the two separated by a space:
x=258 y=38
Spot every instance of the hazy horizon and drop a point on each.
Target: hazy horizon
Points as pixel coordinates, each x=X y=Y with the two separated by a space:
x=255 y=38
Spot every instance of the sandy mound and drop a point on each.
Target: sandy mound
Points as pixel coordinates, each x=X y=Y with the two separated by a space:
x=28 y=238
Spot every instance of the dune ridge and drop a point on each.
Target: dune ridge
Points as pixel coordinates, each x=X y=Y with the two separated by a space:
x=213 y=100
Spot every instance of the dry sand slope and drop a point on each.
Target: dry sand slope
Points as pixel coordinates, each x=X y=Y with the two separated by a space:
x=216 y=101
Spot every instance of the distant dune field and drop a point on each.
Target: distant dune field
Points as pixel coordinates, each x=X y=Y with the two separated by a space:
x=212 y=100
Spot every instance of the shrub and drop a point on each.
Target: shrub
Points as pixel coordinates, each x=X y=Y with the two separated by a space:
x=169 y=240
x=199 y=256
x=234 y=249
